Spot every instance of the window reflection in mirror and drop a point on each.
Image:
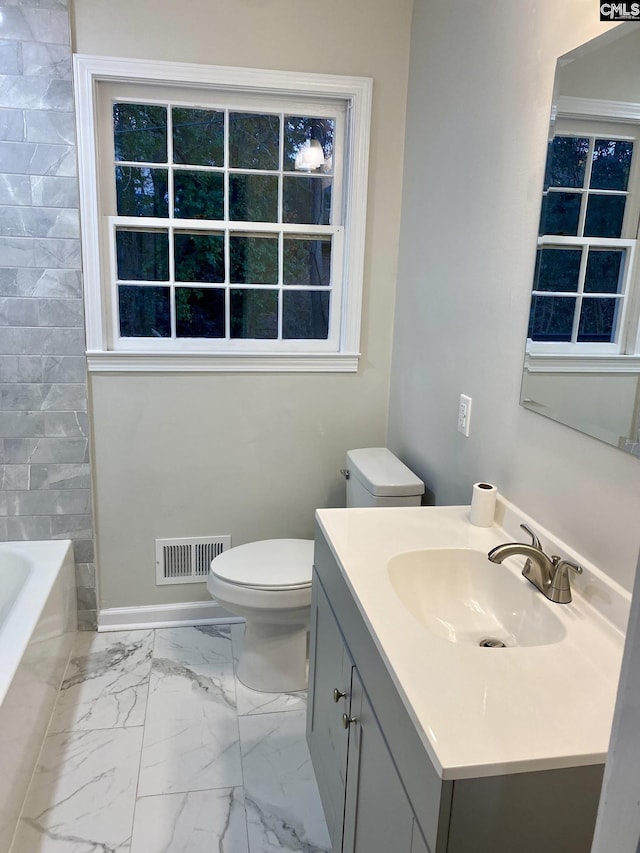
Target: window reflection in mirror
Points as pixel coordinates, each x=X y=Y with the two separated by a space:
x=582 y=359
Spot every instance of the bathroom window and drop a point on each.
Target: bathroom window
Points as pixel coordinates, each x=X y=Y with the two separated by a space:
x=228 y=216
x=584 y=280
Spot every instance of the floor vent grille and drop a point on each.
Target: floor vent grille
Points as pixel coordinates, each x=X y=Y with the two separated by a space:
x=187 y=560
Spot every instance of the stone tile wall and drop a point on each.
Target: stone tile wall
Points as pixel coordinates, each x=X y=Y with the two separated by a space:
x=45 y=474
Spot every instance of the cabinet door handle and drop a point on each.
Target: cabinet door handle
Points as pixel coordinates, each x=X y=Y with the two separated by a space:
x=338 y=694
x=347 y=720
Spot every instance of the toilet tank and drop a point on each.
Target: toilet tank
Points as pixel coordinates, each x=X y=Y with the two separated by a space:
x=378 y=478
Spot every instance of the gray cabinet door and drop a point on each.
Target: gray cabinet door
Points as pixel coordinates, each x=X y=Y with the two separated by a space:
x=330 y=670
x=378 y=816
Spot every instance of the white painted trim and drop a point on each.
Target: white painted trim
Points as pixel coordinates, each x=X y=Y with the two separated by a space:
x=356 y=91
x=286 y=83
x=554 y=363
x=357 y=146
x=164 y=616
x=597 y=108
x=149 y=362
x=604 y=242
x=95 y=329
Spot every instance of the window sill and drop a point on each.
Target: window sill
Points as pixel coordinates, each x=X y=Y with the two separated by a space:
x=136 y=362
x=555 y=363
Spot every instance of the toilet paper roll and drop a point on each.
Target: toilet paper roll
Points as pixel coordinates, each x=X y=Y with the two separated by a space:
x=483 y=504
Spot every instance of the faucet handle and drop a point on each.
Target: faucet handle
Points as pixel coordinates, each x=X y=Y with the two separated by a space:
x=560 y=589
x=534 y=539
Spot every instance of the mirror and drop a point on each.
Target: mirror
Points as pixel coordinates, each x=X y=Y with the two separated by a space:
x=582 y=358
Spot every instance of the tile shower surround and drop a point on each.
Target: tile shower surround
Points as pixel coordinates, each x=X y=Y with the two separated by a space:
x=154 y=745
x=45 y=489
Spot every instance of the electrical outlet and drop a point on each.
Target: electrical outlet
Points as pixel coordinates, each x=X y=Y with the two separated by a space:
x=464 y=414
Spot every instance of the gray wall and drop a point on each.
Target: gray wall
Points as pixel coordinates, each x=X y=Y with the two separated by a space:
x=251 y=455
x=45 y=489
x=480 y=86
x=611 y=73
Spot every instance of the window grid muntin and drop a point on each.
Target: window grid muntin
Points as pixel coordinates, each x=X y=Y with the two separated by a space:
x=585 y=191
x=335 y=234
x=99 y=80
x=334 y=173
x=172 y=292
x=228 y=226
x=280 y=282
x=586 y=243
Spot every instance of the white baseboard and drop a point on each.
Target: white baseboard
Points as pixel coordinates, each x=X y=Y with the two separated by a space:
x=164 y=616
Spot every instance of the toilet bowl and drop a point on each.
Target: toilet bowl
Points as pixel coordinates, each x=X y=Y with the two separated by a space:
x=269 y=584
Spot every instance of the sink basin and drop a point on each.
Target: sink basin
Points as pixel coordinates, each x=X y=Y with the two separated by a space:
x=462 y=597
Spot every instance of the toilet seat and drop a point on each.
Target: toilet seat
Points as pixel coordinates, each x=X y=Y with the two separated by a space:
x=269 y=584
x=269 y=564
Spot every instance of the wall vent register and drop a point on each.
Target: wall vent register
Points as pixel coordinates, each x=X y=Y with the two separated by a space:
x=187 y=560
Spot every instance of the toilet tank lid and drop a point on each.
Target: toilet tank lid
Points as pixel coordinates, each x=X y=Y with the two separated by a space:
x=382 y=473
x=268 y=563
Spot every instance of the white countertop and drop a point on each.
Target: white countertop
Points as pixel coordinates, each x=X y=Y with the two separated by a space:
x=482 y=711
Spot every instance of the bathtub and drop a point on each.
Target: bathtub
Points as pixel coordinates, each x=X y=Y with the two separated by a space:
x=38 y=621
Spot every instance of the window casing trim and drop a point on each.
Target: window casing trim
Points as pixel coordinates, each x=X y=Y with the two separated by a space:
x=355 y=91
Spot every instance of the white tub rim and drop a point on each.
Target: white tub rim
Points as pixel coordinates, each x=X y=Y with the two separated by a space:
x=46 y=559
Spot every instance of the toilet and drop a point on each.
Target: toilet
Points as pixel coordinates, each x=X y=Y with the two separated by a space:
x=269 y=582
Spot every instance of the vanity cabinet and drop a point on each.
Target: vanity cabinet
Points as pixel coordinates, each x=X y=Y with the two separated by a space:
x=379 y=788
x=363 y=798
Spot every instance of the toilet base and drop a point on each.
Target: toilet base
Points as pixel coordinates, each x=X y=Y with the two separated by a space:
x=274 y=657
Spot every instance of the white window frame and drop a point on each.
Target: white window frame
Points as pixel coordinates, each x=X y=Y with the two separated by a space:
x=591 y=357
x=354 y=92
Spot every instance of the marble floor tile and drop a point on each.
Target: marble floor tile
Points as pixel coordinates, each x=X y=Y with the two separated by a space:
x=255 y=702
x=192 y=822
x=82 y=794
x=185 y=753
x=106 y=682
x=281 y=795
x=197 y=645
x=191 y=740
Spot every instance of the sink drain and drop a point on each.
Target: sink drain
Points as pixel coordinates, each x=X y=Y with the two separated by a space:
x=492 y=643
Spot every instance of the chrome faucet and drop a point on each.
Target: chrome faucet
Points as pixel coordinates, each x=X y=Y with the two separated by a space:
x=548 y=574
